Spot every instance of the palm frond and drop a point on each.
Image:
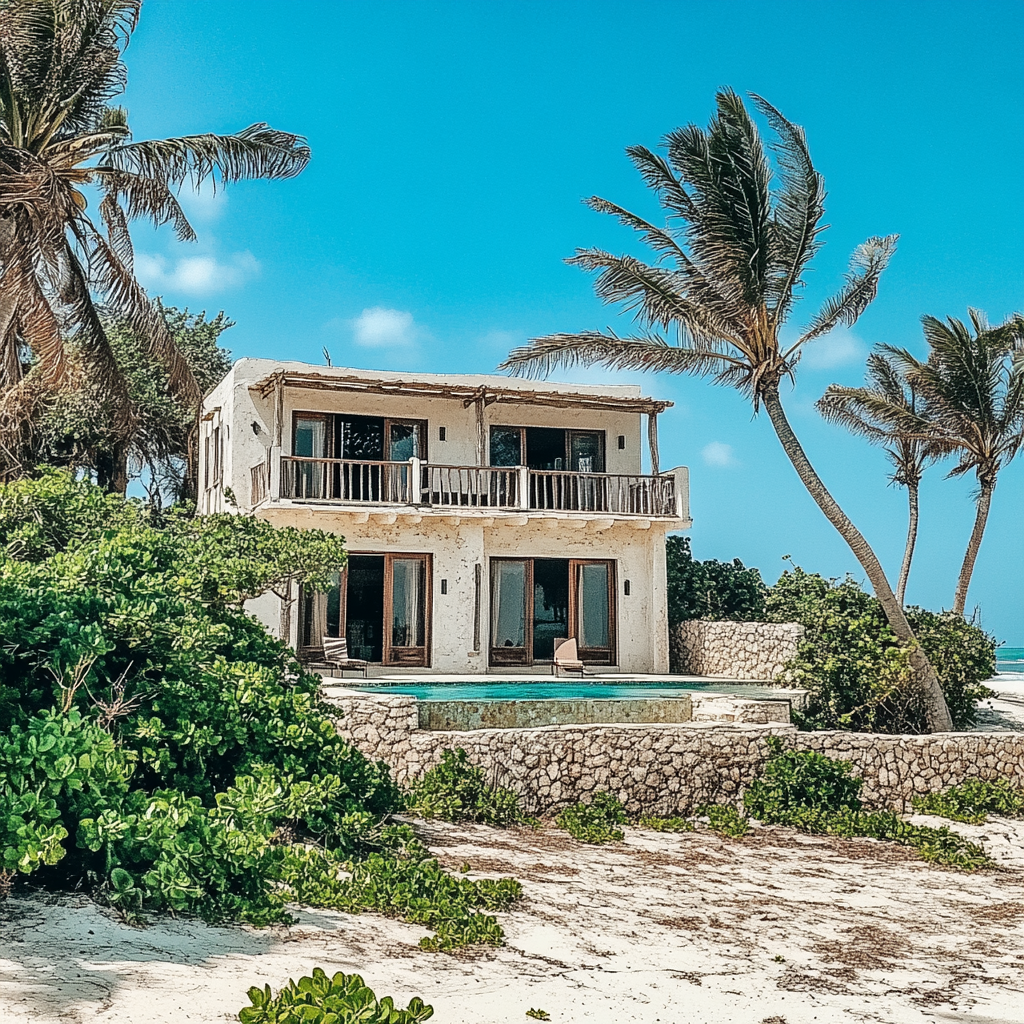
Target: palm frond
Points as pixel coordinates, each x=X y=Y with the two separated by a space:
x=866 y=266
x=799 y=207
x=590 y=348
x=258 y=151
x=146 y=197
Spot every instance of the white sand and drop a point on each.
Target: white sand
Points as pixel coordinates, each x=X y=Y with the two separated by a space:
x=662 y=928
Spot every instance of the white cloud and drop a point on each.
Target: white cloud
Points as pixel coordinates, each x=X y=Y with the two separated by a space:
x=840 y=348
x=384 y=328
x=719 y=454
x=203 y=206
x=195 y=275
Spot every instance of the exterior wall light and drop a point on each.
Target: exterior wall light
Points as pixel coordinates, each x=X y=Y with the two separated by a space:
x=625 y=587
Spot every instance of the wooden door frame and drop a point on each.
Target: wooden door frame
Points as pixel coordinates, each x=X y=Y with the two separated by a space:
x=594 y=655
x=407 y=421
x=389 y=608
x=528 y=622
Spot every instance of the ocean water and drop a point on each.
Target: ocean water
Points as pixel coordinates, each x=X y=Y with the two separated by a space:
x=1010 y=659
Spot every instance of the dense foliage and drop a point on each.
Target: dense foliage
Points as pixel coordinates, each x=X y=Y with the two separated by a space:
x=857 y=670
x=711 y=590
x=819 y=795
x=159 y=747
x=595 y=822
x=973 y=801
x=343 y=999
x=75 y=429
x=455 y=790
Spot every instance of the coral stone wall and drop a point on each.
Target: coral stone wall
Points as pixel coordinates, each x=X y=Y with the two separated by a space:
x=739 y=650
x=669 y=768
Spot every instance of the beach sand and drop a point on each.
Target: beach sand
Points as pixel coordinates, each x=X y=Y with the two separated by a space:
x=776 y=927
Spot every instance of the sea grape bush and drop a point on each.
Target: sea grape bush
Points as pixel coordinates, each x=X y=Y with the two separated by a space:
x=858 y=671
x=711 y=590
x=594 y=822
x=343 y=999
x=973 y=801
x=454 y=790
x=819 y=795
x=156 y=744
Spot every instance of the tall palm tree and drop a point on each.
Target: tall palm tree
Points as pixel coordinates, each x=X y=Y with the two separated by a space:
x=973 y=394
x=879 y=412
x=60 y=68
x=736 y=250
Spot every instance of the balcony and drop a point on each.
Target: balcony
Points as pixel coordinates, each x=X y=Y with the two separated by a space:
x=495 y=488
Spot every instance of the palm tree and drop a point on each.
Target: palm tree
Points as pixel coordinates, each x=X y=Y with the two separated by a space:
x=879 y=412
x=60 y=68
x=736 y=249
x=973 y=394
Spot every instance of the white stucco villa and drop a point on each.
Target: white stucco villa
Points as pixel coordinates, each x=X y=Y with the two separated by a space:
x=484 y=516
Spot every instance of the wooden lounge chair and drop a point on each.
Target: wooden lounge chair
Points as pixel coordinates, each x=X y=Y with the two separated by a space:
x=566 y=658
x=336 y=656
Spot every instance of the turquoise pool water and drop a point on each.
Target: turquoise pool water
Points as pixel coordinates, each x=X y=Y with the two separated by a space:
x=564 y=690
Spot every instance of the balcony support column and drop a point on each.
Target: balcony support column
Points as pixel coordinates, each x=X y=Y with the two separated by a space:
x=523 y=473
x=652 y=440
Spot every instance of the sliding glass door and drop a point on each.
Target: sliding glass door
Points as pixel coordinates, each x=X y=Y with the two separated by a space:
x=407 y=611
x=536 y=601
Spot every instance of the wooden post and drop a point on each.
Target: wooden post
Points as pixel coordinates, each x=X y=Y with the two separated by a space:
x=652 y=440
x=481 y=433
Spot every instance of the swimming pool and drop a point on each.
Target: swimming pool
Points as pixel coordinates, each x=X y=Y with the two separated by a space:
x=561 y=689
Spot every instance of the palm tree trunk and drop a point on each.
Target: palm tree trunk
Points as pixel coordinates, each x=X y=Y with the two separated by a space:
x=936 y=713
x=970 y=556
x=908 y=551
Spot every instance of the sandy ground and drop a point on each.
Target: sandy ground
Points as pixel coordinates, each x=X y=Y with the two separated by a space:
x=1005 y=711
x=693 y=928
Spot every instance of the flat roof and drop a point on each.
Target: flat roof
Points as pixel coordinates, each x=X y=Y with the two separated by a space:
x=268 y=374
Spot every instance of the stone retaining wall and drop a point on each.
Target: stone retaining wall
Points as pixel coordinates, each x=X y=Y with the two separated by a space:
x=739 y=650
x=671 y=768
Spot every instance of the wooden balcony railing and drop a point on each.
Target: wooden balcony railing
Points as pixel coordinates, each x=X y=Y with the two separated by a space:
x=500 y=487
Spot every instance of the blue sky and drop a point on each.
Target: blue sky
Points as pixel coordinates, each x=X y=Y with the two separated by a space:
x=452 y=143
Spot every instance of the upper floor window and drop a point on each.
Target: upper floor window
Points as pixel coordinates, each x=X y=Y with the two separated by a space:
x=358 y=438
x=579 y=451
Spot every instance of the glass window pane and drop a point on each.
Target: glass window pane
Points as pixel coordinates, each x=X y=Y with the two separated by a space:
x=361 y=438
x=587 y=453
x=506 y=446
x=408 y=591
x=405 y=442
x=309 y=438
x=508 y=625
x=592 y=598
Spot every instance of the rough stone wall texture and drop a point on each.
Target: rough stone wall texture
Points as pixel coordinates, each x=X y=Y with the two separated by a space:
x=672 y=768
x=739 y=650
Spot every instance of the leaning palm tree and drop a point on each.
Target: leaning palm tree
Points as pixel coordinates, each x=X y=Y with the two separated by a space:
x=879 y=411
x=973 y=394
x=736 y=251
x=60 y=68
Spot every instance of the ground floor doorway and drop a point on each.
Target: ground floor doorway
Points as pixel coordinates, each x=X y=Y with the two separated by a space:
x=535 y=601
x=380 y=604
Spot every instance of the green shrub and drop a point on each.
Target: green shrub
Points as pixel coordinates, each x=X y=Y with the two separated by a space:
x=594 y=822
x=816 y=794
x=343 y=999
x=157 y=746
x=856 y=668
x=413 y=888
x=725 y=820
x=711 y=590
x=973 y=801
x=455 y=790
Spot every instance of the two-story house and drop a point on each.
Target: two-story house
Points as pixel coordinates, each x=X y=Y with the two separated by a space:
x=484 y=516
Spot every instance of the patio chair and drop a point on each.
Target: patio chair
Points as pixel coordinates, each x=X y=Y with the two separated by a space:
x=566 y=657
x=336 y=656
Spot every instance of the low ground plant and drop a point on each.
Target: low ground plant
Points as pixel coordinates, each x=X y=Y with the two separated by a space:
x=456 y=790
x=973 y=801
x=656 y=824
x=595 y=822
x=343 y=999
x=819 y=795
x=725 y=820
